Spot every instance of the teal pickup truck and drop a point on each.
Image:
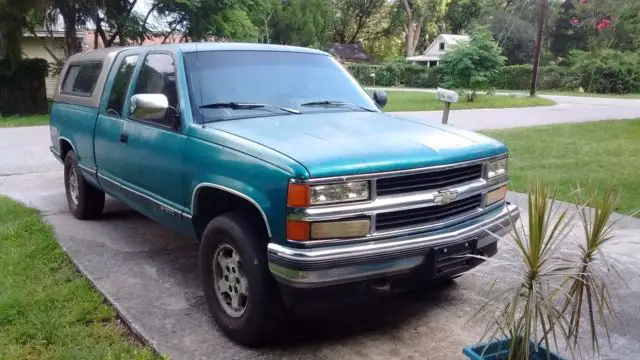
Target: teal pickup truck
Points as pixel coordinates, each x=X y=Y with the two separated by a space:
x=298 y=189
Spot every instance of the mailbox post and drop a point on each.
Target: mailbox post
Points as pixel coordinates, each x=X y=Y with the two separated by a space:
x=448 y=96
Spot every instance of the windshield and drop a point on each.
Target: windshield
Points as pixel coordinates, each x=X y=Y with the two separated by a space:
x=279 y=79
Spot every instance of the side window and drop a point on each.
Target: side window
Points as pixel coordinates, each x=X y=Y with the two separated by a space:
x=158 y=76
x=121 y=84
x=81 y=79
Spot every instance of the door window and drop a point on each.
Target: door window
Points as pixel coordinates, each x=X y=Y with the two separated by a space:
x=120 y=85
x=158 y=76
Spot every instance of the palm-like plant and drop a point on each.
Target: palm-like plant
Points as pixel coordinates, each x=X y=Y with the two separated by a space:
x=556 y=278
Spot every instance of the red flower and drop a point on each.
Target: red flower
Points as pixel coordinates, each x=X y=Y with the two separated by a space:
x=603 y=24
x=574 y=21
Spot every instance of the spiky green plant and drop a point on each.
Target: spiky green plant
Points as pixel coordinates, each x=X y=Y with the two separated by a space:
x=545 y=305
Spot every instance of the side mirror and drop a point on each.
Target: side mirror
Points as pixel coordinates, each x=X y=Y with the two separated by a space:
x=380 y=97
x=149 y=106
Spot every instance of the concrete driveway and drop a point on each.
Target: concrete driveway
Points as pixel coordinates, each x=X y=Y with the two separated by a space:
x=150 y=275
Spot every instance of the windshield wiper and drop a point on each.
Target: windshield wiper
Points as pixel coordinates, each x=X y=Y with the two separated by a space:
x=240 y=106
x=336 y=103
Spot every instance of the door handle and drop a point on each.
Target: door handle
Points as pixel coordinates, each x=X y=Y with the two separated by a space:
x=124 y=138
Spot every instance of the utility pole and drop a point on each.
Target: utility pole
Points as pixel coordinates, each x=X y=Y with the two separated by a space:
x=536 y=51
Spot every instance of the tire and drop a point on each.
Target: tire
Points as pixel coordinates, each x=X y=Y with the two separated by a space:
x=85 y=200
x=262 y=314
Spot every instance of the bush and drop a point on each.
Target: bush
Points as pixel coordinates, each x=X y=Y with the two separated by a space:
x=607 y=71
x=515 y=77
x=473 y=65
x=395 y=74
x=22 y=89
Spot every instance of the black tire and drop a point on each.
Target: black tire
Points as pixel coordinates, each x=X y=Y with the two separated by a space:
x=90 y=200
x=264 y=309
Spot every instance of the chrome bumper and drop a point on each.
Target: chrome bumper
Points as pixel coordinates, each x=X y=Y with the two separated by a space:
x=330 y=265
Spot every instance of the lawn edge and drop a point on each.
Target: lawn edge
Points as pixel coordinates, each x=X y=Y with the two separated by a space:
x=132 y=329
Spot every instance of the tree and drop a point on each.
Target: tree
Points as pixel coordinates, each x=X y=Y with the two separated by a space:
x=461 y=13
x=415 y=14
x=516 y=36
x=353 y=16
x=303 y=23
x=565 y=36
x=471 y=66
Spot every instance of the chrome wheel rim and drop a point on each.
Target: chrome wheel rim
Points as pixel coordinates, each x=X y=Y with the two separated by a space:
x=73 y=186
x=230 y=281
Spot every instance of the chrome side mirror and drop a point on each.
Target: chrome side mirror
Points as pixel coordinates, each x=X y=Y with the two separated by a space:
x=149 y=106
x=380 y=97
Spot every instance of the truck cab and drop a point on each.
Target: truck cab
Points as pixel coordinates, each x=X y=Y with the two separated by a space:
x=297 y=187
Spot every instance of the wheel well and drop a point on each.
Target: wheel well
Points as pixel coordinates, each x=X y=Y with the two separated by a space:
x=211 y=202
x=65 y=146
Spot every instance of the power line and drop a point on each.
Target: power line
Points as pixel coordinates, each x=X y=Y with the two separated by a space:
x=513 y=23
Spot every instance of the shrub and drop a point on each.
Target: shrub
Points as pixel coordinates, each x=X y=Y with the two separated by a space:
x=607 y=71
x=473 y=65
x=395 y=74
x=22 y=89
x=515 y=77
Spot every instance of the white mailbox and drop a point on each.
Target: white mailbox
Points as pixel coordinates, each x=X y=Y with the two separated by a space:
x=446 y=95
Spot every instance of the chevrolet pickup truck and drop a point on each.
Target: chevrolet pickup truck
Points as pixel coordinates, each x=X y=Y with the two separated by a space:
x=294 y=183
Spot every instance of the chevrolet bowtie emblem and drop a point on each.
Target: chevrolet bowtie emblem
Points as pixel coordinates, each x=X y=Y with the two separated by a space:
x=444 y=197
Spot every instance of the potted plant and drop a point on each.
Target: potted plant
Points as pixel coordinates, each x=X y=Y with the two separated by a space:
x=558 y=281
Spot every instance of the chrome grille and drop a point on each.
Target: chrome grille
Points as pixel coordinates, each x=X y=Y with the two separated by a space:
x=423 y=216
x=428 y=180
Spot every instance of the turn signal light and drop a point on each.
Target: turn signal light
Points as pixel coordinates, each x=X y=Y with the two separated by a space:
x=298 y=195
x=496 y=195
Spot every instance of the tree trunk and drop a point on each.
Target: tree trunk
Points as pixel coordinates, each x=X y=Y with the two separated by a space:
x=71 y=44
x=409 y=40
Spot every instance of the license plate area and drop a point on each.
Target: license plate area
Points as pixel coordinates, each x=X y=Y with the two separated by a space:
x=451 y=259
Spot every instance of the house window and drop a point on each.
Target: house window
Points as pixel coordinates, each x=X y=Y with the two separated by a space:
x=441 y=46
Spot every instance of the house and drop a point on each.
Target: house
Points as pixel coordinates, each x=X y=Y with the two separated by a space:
x=438 y=47
x=39 y=46
x=349 y=53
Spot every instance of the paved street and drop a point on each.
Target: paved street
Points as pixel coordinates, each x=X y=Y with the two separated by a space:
x=150 y=275
x=567 y=110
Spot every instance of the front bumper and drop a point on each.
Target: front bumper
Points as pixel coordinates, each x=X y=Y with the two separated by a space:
x=331 y=265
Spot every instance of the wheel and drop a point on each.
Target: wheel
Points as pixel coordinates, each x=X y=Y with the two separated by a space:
x=85 y=200
x=241 y=293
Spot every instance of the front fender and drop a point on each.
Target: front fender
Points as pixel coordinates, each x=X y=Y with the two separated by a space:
x=262 y=184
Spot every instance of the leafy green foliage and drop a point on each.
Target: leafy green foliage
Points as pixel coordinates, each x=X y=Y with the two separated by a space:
x=471 y=66
x=462 y=13
x=608 y=71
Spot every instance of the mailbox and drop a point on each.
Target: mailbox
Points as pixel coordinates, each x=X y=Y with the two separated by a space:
x=446 y=95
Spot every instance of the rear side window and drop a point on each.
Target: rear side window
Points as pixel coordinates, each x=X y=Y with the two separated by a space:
x=121 y=84
x=81 y=79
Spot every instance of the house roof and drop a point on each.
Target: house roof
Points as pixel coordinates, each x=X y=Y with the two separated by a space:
x=349 y=51
x=454 y=39
x=433 y=52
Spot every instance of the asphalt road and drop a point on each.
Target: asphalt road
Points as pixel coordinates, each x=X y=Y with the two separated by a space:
x=149 y=274
x=567 y=110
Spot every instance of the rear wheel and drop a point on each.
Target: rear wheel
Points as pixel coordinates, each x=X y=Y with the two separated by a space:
x=241 y=293
x=85 y=201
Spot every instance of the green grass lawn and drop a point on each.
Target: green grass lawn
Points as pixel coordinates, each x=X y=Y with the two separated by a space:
x=420 y=100
x=30 y=120
x=47 y=309
x=606 y=153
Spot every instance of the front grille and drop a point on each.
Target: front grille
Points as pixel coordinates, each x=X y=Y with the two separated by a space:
x=423 y=216
x=428 y=180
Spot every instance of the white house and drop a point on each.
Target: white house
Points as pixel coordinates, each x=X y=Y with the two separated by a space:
x=438 y=47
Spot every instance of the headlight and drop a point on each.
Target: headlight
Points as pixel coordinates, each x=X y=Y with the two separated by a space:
x=496 y=168
x=335 y=193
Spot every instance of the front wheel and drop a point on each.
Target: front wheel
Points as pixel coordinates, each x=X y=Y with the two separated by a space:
x=240 y=292
x=85 y=201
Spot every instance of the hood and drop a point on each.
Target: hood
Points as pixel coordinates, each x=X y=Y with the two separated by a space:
x=346 y=143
